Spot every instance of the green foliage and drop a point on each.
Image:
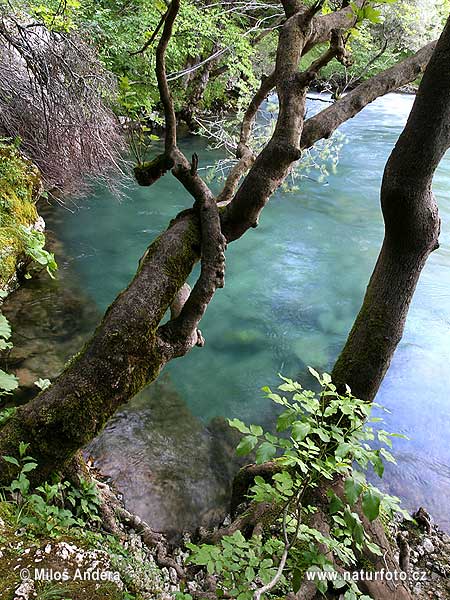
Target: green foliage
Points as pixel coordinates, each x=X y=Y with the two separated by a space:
x=53 y=507
x=43 y=384
x=19 y=183
x=34 y=242
x=238 y=562
x=6 y=414
x=53 y=591
x=14 y=170
x=320 y=437
x=8 y=382
x=52 y=14
x=121 y=29
x=385 y=33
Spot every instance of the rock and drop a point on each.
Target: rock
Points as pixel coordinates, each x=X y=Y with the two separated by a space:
x=173 y=472
x=417 y=589
x=423 y=519
x=428 y=546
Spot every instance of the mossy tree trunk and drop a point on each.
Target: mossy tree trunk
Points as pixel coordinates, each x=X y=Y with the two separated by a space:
x=123 y=355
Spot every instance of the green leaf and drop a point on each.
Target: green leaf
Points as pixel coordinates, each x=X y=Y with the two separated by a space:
x=326 y=378
x=358 y=533
x=286 y=419
x=23 y=447
x=371 y=504
x=300 y=430
x=12 y=460
x=5 y=327
x=265 y=452
x=342 y=450
x=374 y=548
x=8 y=382
x=239 y=425
x=29 y=467
x=336 y=503
x=297 y=579
x=246 y=445
x=256 y=430
x=43 y=384
x=352 y=490
x=315 y=374
x=378 y=465
x=372 y=14
x=5 y=345
x=322 y=434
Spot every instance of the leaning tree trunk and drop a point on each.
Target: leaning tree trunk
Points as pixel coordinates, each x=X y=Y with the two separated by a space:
x=412 y=228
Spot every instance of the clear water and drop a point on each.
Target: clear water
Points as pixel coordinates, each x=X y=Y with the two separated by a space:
x=293 y=288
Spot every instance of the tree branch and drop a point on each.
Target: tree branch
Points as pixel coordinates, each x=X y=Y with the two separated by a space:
x=244 y=153
x=164 y=91
x=323 y=25
x=274 y=161
x=150 y=41
x=412 y=227
x=180 y=334
x=327 y=121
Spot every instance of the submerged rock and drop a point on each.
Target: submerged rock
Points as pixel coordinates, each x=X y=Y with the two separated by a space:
x=171 y=470
x=50 y=320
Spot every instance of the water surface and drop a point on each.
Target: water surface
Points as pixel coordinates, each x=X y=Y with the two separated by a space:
x=293 y=288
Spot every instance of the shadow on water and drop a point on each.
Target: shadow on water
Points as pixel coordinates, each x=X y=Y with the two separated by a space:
x=293 y=288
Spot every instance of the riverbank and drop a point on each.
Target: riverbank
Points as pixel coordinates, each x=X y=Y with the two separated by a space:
x=134 y=563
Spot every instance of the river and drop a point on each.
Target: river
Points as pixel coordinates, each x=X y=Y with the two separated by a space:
x=293 y=288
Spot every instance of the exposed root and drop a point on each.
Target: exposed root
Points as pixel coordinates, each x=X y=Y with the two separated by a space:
x=115 y=514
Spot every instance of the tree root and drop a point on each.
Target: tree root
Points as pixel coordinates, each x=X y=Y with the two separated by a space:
x=114 y=513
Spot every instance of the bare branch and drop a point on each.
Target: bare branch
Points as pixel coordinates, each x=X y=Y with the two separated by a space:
x=164 y=91
x=244 y=153
x=150 y=41
x=324 y=123
x=52 y=96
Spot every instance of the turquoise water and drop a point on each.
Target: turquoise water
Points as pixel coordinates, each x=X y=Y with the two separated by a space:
x=293 y=288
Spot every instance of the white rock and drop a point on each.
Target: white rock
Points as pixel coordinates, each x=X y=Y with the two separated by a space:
x=428 y=545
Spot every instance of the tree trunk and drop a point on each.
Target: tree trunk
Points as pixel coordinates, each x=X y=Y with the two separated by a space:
x=120 y=359
x=412 y=228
